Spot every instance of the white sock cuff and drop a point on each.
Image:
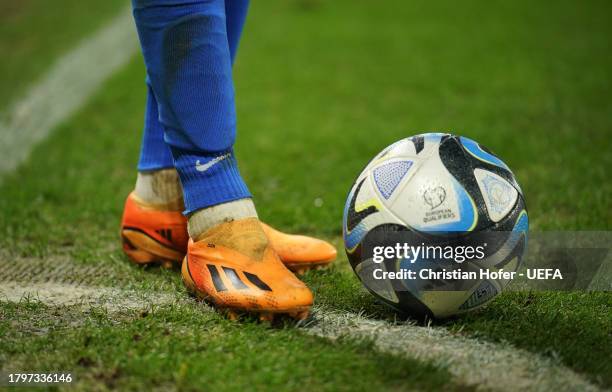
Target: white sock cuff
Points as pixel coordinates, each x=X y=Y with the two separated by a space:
x=160 y=187
x=207 y=218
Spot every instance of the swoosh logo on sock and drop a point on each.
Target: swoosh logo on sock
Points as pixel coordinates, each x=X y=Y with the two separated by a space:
x=205 y=166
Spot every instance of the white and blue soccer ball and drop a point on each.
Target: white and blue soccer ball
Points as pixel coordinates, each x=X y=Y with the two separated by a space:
x=436 y=189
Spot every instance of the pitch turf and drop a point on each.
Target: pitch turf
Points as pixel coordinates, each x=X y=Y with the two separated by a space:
x=34 y=33
x=321 y=87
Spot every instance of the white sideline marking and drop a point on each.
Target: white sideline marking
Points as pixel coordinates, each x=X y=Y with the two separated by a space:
x=64 y=89
x=112 y=299
x=488 y=366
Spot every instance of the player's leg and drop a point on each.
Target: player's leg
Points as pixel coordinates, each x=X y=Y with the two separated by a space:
x=153 y=229
x=235 y=16
x=230 y=260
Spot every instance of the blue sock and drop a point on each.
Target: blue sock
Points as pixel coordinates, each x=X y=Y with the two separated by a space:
x=188 y=59
x=235 y=16
x=154 y=152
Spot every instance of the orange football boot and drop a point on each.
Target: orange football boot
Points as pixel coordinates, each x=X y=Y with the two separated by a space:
x=234 y=266
x=152 y=233
x=155 y=234
x=299 y=252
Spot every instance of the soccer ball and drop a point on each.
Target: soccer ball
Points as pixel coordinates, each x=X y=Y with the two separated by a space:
x=448 y=218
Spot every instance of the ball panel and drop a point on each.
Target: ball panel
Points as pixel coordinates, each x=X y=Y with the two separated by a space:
x=389 y=175
x=498 y=194
x=480 y=153
x=362 y=212
x=432 y=200
x=455 y=160
x=484 y=293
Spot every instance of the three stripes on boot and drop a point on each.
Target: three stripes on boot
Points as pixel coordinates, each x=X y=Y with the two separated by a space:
x=233 y=277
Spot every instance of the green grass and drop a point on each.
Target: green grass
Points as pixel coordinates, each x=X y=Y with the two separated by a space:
x=322 y=87
x=33 y=33
x=577 y=327
x=185 y=347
